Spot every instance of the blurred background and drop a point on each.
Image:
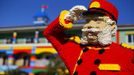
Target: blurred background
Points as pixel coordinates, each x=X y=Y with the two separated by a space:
x=23 y=48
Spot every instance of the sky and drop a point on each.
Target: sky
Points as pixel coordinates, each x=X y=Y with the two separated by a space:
x=21 y=12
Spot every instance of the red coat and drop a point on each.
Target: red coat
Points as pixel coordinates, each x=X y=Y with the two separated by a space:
x=82 y=60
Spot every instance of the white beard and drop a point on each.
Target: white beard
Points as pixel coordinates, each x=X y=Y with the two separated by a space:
x=103 y=37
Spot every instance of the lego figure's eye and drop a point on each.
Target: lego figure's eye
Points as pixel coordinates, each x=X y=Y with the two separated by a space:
x=95 y=19
x=87 y=20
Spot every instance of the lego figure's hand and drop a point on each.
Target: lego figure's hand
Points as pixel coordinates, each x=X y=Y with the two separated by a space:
x=67 y=18
x=75 y=13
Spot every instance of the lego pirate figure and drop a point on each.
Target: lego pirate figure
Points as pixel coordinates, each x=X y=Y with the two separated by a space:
x=94 y=53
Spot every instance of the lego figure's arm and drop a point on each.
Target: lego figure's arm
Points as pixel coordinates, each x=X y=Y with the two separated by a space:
x=132 y=62
x=55 y=31
x=130 y=56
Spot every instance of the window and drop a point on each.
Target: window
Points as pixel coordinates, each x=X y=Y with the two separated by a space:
x=3 y=58
x=29 y=40
x=9 y=40
x=22 y=59
x=43 y=59
x=130 y=38
x=3 y=41
x=36 y=40
x=21 y=40
x=43 y=40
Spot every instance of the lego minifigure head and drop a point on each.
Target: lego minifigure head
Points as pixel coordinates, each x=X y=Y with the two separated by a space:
x=98 y=29
x=100 y=23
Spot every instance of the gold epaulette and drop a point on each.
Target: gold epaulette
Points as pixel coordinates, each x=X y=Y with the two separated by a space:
x=75 y=39
x=125 y=45
x=63 y=23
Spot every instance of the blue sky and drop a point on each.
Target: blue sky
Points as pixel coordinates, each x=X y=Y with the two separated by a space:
x=21 y=12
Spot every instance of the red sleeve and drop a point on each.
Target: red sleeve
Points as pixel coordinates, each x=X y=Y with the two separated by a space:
x=54 y=34
x=132 y=62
